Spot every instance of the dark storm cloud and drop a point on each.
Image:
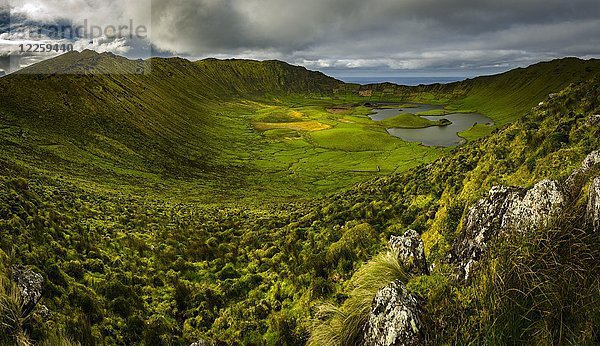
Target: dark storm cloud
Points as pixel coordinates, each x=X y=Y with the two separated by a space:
x=292 y=25
x=342 y=35
x=409 y=34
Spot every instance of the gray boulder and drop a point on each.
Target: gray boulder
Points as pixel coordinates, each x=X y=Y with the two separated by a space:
x=517 y=209
x=537 y=207
x=505 y=208
x=593 y=207
x=29 y=284
x=590 y=162
x=394 y=319
x=482 y=222
x=411 y=251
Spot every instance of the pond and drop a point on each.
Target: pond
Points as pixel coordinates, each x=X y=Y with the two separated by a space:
x=439 y=136
x=384 y=113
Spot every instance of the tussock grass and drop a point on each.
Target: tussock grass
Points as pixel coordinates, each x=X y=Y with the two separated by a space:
x=58 y=339
x=15 y=320
x=543 y=286
x=13 y=316
x=343 y=325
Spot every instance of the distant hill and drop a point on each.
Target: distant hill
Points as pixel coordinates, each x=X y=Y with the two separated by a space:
x=505 y=97
x=88 y=114
x=165 y=116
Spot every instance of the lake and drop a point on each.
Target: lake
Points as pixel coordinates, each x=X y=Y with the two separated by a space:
x=384 y=113
x=438 y=136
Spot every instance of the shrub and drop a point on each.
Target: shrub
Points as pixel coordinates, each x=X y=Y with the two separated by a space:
x=74 y=269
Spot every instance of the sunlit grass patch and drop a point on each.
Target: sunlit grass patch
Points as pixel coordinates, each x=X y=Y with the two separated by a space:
x=281 y=134
x=309 y=126
x=408 y=121
x=353 y=138
x=477 y=131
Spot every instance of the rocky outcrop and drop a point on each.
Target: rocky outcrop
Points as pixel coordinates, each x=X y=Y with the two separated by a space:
x=394 y=316
x=394 y=319
x=481 y=224
x=517 y=209
x=505 y=208
x=30 y=286
x=593 y=206
x=591 y=162
x=537 y=207
x=411 y=251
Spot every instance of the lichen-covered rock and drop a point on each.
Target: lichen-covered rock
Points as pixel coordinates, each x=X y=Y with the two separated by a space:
x=593 y=207
x=482 y=222
x=539 y=205
x=30 y=286
x=411 y=251
x=394 y=319
x=580 y=176
x=505 y=208
x=591 y=161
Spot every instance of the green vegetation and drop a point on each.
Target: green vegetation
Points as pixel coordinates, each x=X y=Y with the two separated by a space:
x=543 y=286
x=477 y=131
x=504 y=98
x=534 y=287
x=343 y=325
x=320 y=148
x=158 y=213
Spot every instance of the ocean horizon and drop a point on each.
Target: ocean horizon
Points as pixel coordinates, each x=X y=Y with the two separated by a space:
x=411 y=81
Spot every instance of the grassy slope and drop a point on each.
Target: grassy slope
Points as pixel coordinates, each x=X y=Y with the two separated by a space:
x=503 y=305
x=182 y=120
x=505 y=97
x=510 y=95
x=180 y=126
x=163 y=270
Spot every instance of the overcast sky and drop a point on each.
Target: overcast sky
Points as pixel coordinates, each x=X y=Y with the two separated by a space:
x=339 y=37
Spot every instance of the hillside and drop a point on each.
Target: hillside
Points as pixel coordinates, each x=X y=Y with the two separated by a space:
x=214 y=126
x=89 y=114
x=505 y=97
x=101 y=243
